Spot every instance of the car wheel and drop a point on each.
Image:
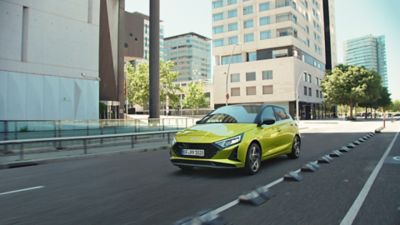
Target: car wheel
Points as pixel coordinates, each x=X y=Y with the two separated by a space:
x=295 y=148
x=186 y=168
x=253 y=159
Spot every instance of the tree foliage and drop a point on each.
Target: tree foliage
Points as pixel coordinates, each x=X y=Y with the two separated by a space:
x=351 y=85
x=395 y=107
x=194 y=96
x=138 y=83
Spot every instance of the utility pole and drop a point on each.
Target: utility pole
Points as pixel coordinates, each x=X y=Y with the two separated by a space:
x=154 y=104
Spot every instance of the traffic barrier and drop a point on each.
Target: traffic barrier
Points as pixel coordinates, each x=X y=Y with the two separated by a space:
x=351 y=145
x=356 y=143
x=344 y=149
x=325 y=159
x=310 y=167
x=256 y=197
x=335 y=153
x=293 y=176
x=203 y=218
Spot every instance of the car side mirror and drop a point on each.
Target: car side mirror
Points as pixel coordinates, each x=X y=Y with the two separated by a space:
x=267 y=121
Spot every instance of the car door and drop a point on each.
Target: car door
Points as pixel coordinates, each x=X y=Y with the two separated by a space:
x=285 y=128
x=269 y=133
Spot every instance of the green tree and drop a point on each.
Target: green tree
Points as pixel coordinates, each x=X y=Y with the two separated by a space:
x=138 y=84
x=194 y=96
x=396 y=106
x=384 y=100
x=169 y=90
x=350 y=85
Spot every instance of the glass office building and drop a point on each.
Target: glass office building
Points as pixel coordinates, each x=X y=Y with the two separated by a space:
x=368 y=51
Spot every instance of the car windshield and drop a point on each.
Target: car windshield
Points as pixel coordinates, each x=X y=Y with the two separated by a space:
x=233 y=114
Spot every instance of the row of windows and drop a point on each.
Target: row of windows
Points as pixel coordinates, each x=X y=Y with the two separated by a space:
x=251 y=76
x=252 y=90
x=265 y=20
x=249 y=37
x=308 y=92
x=246 y=10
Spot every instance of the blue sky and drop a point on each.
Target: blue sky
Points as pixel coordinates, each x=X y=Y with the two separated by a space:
x=354 y=18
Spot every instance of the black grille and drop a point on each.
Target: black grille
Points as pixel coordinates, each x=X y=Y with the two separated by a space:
x=209 y=149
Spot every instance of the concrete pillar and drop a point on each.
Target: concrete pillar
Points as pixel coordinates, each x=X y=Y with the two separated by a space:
x=154 y=104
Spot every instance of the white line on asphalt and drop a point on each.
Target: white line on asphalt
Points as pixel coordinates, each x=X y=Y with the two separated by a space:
x=355 y=208
x=236 y=201
x=21 y=190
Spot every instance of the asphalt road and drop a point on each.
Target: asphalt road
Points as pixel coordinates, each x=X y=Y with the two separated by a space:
x=144 y=188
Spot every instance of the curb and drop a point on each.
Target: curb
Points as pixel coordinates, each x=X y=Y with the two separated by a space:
x=379 y=130
x=34 y=162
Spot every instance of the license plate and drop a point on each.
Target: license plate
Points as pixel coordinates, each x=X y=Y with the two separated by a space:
x=193 y=152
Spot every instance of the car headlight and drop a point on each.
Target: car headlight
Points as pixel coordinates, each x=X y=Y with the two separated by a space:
x=230 y=141
x=173 y=141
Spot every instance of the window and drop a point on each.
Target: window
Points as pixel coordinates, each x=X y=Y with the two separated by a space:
x=233 y=40
x=126 y=45
x=283 y=17
x=218 y=42
x=248 y=24
x=265 y=35
x=280 y=53
x=268 y=90
x=235 y=77
x=294 y=18
x=309 y=78
x=231 y=59
x=251 y=56
x=265 y=20
x=251 y=76
x=305 y=90
x=317 y=93
x=217 y=4
x=247 y=10
x=251 y=90
x=235 y=91
x=268 y=113
x=267 y=75
x=232 y=13
x=281 y=114
x=309 y=91
x=232 y=26
x=230 y=2
x=218 y=16
x=320 y=94
x=264 y=6
x=218 y=29
x=249 y=37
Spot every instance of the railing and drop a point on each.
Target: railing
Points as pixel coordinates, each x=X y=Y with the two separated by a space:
x=14 y=129
x=57 y=142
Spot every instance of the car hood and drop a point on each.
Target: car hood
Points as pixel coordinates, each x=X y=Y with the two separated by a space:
x=208 y=133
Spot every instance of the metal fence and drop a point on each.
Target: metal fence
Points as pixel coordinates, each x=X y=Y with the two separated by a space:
x=17 y=149
x=28 y=129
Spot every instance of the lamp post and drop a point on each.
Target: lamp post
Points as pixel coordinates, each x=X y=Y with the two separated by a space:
x=298 y=95
x=227 y=73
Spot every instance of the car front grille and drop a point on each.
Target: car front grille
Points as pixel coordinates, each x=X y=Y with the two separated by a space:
x=209 y=149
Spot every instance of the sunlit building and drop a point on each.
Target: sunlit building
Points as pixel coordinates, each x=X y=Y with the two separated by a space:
x=272 y=52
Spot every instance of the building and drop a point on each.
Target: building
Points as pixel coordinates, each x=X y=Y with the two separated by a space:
x=49 y=60
x=271 y=52
x=191 y=54
x=368 y=51
x=136 y=37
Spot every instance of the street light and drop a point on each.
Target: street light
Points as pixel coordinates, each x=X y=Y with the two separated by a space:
x=227 y=74
x=298 y=95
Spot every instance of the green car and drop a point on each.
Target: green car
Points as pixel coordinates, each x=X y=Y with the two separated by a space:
x=237 y=136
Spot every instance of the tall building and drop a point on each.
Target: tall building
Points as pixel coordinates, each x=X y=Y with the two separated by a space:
x=136 y=39
x=49 y=60
x=368 y=51
x=191 y=54
x=271 y=52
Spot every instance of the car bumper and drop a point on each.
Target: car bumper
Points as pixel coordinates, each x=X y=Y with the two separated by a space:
x=207 y=163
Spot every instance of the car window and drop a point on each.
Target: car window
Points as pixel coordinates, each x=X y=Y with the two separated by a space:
x=268 y=113
x=233 y=114
x=281 y=114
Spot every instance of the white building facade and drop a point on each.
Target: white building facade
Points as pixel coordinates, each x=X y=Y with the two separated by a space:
x=49 y=58
x=265 y=50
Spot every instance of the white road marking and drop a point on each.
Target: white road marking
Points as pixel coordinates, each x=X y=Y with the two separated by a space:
x=355 y=208
x=21 y=190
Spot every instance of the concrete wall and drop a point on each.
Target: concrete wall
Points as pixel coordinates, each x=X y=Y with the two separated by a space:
x=49 y=59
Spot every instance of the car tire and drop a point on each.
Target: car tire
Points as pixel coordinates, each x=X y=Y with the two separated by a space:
x=295 y=148
x=186 y=168
x=253 y=159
